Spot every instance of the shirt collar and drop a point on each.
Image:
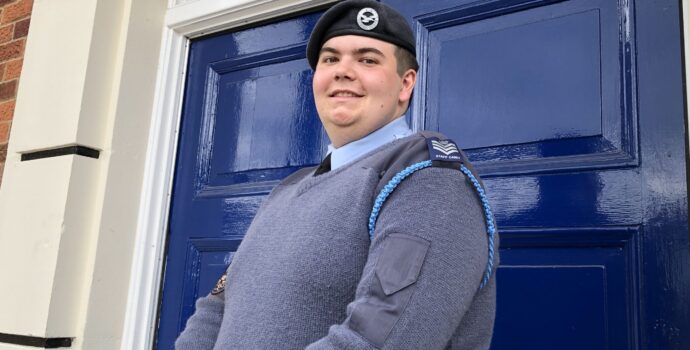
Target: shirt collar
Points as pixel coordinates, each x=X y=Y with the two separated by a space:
x=394 y=130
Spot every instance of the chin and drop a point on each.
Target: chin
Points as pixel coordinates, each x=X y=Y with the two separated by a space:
x=342 y=120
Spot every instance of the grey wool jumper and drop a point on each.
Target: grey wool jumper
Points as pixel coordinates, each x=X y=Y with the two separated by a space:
x=308 y=276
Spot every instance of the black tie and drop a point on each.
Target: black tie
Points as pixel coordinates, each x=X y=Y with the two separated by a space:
x=324 y=167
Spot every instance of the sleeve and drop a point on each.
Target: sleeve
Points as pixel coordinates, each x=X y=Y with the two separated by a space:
x=203 y=326
x=425 y=265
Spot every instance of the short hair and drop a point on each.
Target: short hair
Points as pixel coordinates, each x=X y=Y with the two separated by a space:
x=406 y=60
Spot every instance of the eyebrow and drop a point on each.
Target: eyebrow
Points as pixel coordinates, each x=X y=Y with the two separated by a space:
x=360 y=51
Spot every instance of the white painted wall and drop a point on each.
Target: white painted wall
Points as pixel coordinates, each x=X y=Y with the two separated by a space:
x=67 y=223
x=54 y=70
x=48 y=213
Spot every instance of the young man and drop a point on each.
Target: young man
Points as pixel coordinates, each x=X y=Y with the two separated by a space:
x=348 y=255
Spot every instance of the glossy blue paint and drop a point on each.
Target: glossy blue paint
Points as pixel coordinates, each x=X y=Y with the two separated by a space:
x=570 y=288
x=248 y=121
x=552 y=65
x=481 y=69
x=572 y=111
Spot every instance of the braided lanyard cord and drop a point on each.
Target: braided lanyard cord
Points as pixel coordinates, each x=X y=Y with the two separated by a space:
x=388 y=189
x=490 y=227
x=399 y=177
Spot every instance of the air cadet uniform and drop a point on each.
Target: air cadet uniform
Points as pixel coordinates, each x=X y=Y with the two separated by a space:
x=388 y=244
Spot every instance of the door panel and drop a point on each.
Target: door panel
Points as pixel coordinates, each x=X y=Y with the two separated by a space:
x=479 y=74
x=555 y=69
x=546 y=97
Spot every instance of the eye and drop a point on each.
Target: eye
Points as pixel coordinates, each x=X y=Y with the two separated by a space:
x=329 y=59
x=368 y=61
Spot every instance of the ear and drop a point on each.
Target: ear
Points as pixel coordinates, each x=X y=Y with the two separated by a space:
x=409 y=79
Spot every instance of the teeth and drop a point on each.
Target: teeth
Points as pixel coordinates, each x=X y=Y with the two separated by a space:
x=344 y=94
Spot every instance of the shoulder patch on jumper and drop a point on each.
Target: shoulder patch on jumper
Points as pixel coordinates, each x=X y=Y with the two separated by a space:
x=443 y=150
x=220 y=285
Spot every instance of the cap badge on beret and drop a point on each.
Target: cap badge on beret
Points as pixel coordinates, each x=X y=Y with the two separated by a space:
x=367 y=18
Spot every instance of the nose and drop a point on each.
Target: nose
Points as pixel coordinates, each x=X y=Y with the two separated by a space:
x=344 y=70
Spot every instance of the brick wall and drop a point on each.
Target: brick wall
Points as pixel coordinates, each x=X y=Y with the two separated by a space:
x=14 y=26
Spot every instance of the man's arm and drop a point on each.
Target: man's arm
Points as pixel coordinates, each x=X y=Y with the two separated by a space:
x=425 y=265
x=202 y=328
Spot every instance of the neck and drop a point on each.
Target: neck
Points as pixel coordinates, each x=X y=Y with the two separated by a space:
x=341 y=136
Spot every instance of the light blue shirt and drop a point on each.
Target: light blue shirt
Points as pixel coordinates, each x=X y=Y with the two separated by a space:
x=394 y=130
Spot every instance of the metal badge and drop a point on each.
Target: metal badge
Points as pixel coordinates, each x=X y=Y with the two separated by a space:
x=220 y=285
x=367 y=18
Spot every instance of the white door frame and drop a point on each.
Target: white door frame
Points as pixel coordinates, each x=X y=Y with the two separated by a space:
x=184 y=19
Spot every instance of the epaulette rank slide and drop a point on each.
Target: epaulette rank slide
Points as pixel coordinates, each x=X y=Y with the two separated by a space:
x=443 y=150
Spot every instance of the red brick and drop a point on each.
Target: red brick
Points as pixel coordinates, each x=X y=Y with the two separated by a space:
x=5 y=131
x=7 y=110
x=5 y=2
x=21 y=28
x=14 y=49
x=13 y=12
x=12 y=69
x=3 y=67
x=3 y=152
x=6 y=33
x=8 y=90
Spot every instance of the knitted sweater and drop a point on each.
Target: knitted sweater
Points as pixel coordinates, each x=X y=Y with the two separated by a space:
x=308 y=275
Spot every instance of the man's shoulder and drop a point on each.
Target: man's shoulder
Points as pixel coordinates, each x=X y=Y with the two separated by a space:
x=414 y=150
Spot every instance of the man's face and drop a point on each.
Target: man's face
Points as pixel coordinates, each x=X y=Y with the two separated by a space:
x=357 y=88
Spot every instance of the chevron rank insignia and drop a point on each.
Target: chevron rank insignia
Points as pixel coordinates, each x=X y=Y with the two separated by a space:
x=220 y=285
x=444 y=150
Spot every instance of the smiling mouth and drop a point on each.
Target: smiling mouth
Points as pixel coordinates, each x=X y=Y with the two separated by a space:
x=344 y=93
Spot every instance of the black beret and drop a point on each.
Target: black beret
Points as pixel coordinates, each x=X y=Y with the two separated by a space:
x=360 y=17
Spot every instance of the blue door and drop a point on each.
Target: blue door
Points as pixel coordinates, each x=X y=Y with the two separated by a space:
x=572 y=111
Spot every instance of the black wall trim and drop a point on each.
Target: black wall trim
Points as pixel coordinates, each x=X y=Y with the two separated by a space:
x=45 y=343
x=62 y=151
